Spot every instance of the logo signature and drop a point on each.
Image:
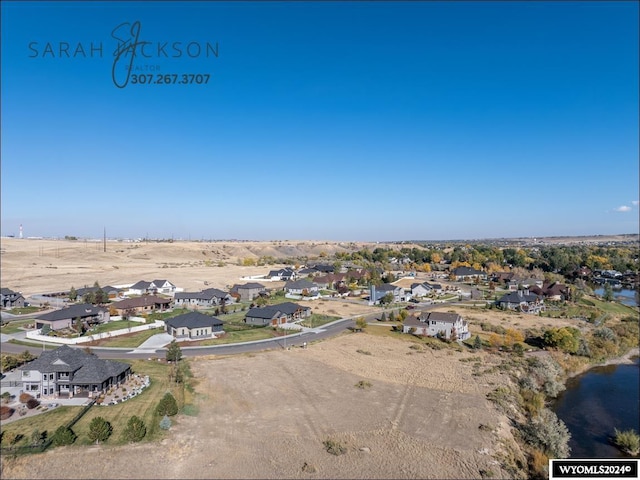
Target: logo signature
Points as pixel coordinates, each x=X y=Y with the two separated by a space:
x=128 y=36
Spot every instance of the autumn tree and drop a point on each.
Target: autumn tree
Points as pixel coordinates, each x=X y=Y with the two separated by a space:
x=99 y=430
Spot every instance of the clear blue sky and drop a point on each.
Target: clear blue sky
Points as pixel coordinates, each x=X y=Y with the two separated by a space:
x=329 y=120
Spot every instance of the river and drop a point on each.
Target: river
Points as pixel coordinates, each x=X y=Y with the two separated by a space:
x=624 y=296
x=597 y=402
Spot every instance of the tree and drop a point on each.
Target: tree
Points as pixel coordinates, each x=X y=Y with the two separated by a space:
x=167 y=405
x=135 y=429
x=73 y=294
x=512 y=337
x=392 y=316
x=63 y=436
x=174 y=353
x=361 y=323
x=38 y=437
x=89 y=297
x=495 y=340
x=165 y=423
x=46 y=328
x=388 y=298
x=477 y=343
x=566 y=339
x=99 y=430
x=100 y=296
x=78 y=325
x=607 y=293
x=548 y=433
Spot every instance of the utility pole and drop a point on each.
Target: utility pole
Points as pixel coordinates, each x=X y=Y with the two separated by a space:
x=104 y=240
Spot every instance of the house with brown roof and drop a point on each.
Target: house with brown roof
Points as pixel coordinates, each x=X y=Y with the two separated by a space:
x=143 y=304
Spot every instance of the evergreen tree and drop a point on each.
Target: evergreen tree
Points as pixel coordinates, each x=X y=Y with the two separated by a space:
x=174 y=353
x=63 y=436
x=477 y=343
x=99 y=430
x=73 y=294
x=135 y=429
x=165 y=423
x=167 y=405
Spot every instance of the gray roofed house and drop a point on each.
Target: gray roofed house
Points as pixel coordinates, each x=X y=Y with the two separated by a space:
x=433 y=323
x=194 y=326
x=286 y=273
x=63 y=318
x=466 y=273
x=523 y=301
x=11 y=299
x=248 y=291
x=378 y=292
x=112 y=292
x=206 y=298
x=301 y=287
x=276 y=314
x=155 y=286
x=69 y=372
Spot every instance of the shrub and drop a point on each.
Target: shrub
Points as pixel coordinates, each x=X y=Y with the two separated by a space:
x=63 y=436
x=364 y=352
x=6 y=412
x=165 y=423
x=363 y=384
x=25 y=397
x=628 y=441
x=135 y=429
x=167 y=405
x=547 y=433
x=333 y=447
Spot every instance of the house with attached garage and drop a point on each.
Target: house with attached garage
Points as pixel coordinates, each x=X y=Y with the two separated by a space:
x=68 y=372
x=248 y=292
x=283 y=274
x=523 y=301
x=420 y=289
x=210 y=297
x=143 y=304
x=156 y=286
x=467 y=273
x=64 y=318
x=194 y=326
x=301 y=287
x=276 y=314
x=109 y=291
x=432 y=324
x=377 y=293
x=11 y=299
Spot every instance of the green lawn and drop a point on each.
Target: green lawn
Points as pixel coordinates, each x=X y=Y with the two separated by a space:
x=143 y=406
x=15 y=326
x=111 y=326
x=47 y=346
x=317 y=320
x=24 y=310
x=130 y=339
x=241 y=336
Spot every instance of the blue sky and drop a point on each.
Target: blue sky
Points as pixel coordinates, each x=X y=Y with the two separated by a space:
x=328 y=120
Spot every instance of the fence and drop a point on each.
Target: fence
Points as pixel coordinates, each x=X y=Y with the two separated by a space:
x=41 y=448
x=35 y=334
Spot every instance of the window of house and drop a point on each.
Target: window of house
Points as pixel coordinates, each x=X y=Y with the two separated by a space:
x=26 y=373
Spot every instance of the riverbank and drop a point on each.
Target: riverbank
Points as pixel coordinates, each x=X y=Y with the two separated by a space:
x=627 y=358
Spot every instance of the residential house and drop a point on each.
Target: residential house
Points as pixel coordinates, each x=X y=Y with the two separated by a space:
x=68 y=372
x=248 y=292
x=301 y=287
x=519 y=283
x=277 y=314
x=283 y=274
x=206 y=298
x=111 y=292
x=420 y=289
x=11 y=299
x=552 y=291
x=462 y=274
x=143 y=304
x=437 y=323
x=194 y=326
x=377 y=293
x=522 y=300
x=154 y=287
x=331 y=280
x=64 y=318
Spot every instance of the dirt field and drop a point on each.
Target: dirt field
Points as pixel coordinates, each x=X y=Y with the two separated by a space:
x=267 y=415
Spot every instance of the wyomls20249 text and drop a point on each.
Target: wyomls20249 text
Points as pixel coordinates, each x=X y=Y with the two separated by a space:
x=170 y=79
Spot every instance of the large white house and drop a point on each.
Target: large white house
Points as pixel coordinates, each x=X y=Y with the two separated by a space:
x=433 y=323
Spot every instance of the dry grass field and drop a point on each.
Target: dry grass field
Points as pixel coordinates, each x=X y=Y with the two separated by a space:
x=266 y=415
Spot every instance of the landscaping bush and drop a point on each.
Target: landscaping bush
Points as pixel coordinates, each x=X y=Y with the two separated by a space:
x=6 y=412
x=25 y=397
x=165 y=423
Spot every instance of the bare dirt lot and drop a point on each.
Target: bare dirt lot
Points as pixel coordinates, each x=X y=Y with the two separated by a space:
x=267 y=416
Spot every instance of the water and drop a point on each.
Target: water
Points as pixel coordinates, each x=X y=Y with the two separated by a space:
x=595 y=403
x=624 y=296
